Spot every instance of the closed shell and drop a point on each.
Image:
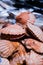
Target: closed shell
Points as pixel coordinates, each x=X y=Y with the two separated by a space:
x=12 y=32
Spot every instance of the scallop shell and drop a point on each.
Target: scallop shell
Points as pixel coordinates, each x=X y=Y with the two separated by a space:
x=18 y=57
x=35 y=59
x=4 y=61
x=34 y=44
x=25 y=17
x=13 y=32
x=35 y=31
x=6 y=48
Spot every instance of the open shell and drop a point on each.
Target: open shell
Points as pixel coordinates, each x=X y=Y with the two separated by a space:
x=12 y=32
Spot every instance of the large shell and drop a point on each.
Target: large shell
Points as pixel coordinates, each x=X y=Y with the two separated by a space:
x=4 y=61
x=6 y=48
x=12 y=32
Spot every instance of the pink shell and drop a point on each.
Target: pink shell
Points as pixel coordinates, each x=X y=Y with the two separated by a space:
x=6 y=48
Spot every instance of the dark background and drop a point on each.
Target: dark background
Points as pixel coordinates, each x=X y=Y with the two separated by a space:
x=37 y=5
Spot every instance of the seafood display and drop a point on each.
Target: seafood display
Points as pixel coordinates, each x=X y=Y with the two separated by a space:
x=21 y=43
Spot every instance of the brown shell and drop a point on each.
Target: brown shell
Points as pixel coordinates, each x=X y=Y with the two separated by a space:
x=24 y=17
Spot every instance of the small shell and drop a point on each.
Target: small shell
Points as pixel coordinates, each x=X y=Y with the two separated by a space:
x=35 y=31
x=24 y=42
x=4 y=61
x=6 y=48
x=34 y=44
x=25 y=17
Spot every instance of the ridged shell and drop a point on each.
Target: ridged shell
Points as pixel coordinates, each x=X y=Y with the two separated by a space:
x=35 y=31
x=19 y=57
x=6 y=48
x=35 y=59
x=13 y=30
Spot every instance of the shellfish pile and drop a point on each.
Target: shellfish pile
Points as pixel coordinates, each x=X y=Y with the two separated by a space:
x=21 y=43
